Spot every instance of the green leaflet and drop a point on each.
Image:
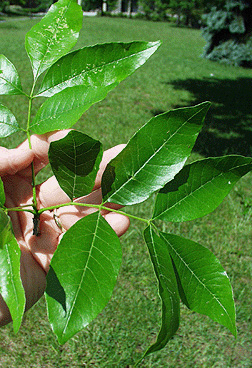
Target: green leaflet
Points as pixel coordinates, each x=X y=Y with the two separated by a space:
x=8 y=122
x=96 y=66
x=54 y=35
x=2 y=195
x=153 y=156
x=199 y=188
x=82 y=275
x=62 y=110
x=75 y=160
x=167 y=289
x=205 y=283
x=9 y=80
x=79 y=88
x=11 y=287
x=5 y=229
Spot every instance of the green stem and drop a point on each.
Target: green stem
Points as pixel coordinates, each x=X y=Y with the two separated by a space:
x=126 y=214
x=34 y=195
x=98 y=206
x=19 y=209
x=154 y=227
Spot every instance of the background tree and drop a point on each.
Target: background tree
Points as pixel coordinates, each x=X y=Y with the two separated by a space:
x=189 y=13
x=22 y=7
x=88 y=5
x=228 y=33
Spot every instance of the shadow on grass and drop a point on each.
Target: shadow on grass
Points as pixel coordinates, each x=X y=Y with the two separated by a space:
x=228 y=125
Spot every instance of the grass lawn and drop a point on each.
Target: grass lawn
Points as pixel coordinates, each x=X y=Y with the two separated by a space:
x=175 y=76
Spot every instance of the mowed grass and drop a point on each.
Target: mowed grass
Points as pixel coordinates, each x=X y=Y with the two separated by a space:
x=175 y=76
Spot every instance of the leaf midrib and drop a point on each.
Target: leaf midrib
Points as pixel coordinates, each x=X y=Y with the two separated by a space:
x=196 y=277
x=57 y=114
x=83 y=72
x=13 y=85
x=13 y=284
x=51 y=40
x=194 y=191
x=82 y=277
x=150 y=158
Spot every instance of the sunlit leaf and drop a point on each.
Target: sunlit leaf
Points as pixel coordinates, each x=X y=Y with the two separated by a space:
x=11 y=287
x=62 y=110
x=99 y=65
x=168 y=290
x=205 y=283
x=2 y=195
x=200 y=187
x=8 y=122
x=5 y=229
x=75 y=160
x=9 y=80
x=82 y=275
x=54 y=35
x=153 y=156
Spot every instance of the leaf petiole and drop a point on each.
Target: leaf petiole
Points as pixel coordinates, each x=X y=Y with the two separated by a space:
x=30 y=146
x=98 y=206
x=20 y=208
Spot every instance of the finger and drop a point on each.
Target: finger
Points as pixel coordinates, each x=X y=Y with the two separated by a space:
x=118 y=222
x=43 y=246
x=40 y=146
x=51 y=194
x=69 y=215
x=14 y=160
x=106 y=158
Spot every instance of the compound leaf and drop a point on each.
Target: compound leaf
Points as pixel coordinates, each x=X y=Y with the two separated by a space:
x=9 y=80
x=167 y=288
x=11 y=287
x=62 y=110
x=8 y=122
x=199 y=188
x=75 y=160
x=99 y=66
x=82 y=275
x=54 y=35
x=153 y=156
x=206 y=286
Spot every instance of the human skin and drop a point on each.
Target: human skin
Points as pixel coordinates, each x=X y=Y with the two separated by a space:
x=37 y=251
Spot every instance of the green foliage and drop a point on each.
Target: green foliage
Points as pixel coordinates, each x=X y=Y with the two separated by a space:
x=186 y=13
x=86 y=263
x=88 y=5
x=199 y=270
x=228 y=34
x=3 y=5
x=8 y=122
x=91 y=253
x=155 y=9
x=160 y=156
x=75 y=161
x=54 y=36
x=11 y=287
x=182 y=198
x=168 y=288
x=9 y=79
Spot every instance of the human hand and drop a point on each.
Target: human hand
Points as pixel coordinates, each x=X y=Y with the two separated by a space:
x=37 y=251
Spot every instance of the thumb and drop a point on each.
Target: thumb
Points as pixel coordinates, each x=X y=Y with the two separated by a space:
x=14 y=160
